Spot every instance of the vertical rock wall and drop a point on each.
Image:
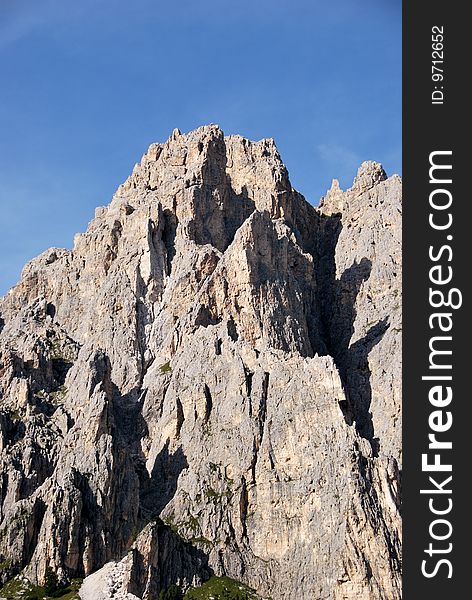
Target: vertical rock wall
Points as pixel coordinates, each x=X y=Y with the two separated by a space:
x=208 y=383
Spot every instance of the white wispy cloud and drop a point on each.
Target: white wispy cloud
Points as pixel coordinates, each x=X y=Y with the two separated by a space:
x=20 y=18
x=335 y=154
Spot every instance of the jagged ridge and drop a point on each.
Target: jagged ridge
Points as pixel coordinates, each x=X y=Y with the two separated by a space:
x=207 y=383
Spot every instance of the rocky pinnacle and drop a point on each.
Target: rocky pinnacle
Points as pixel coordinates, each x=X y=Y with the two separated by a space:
x=209 y=383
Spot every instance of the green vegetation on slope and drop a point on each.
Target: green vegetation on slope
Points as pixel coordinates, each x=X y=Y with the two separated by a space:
x=19 y=588
x=216 y=588
x=221 y=588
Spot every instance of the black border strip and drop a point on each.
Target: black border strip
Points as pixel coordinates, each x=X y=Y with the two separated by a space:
x=428 y=128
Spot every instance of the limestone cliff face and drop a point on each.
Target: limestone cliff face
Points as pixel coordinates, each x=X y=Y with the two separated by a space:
x=209 y=382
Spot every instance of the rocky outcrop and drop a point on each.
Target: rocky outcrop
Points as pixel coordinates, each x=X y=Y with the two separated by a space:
x=208 y=383
x=364 y=306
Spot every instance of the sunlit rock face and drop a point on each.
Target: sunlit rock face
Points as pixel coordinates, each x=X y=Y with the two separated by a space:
x=209 y=383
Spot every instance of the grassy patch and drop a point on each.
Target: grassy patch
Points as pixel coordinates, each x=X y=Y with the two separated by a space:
x=221 y=588
x=19 y=588
x=206 y=429
x=70 y=592
x=5 y=564
x=58 y=395
x=15 y=416
x=201 y=541
x=172 y=593
x=217 y=497
x=165 y=368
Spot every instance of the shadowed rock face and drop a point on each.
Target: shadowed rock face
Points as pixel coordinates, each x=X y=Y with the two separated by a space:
x=209 y=382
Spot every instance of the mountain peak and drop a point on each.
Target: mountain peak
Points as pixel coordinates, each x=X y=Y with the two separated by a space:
x=369 y=174
x=206 y=384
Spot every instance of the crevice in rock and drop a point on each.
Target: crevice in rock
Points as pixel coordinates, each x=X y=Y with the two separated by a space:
x=263 y=405
x=206 y=317
x=89 y=522
x=232 y=330
x=271 y=459
x=338 y=314
x=12 y=428
x=260 y=421
x=60 y=368
x=142 y=318
x=248 y=375
x=32 y=531
x=169 y=232
x=255 y=452
x=158 y=488
x=180 y=417
x=40 y=466
x=329 y=229
x=111 y=251
x=208 y=403
x=4 y=480
x=243 y=506
x=162 y=398
x=354 y=370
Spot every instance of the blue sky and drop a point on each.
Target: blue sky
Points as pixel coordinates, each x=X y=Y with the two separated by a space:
x=87 y=86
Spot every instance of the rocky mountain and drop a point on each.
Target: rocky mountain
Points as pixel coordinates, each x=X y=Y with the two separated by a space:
x=208 y=384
